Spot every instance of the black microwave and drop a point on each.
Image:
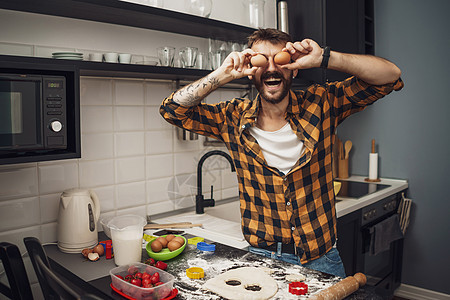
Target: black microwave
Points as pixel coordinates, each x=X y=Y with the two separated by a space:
x=39 y=115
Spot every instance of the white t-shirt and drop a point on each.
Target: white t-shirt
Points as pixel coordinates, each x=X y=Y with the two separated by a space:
x=281 y=148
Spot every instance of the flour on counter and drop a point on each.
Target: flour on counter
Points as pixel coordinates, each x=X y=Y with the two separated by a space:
x=214 y=265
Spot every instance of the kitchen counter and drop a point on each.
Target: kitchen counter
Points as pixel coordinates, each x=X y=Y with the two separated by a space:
x=222 y=222
x=345 y=206
x=94 y=277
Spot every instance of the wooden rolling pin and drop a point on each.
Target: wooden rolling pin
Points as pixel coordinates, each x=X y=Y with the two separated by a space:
x=172 y=225
x=341 y=289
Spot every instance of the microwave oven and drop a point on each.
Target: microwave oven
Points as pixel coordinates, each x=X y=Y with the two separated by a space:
x=39 y=115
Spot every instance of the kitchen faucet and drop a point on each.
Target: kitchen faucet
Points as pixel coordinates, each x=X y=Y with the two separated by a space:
x=200 y=202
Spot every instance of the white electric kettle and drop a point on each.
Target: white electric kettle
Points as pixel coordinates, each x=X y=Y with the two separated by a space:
x=79 y=211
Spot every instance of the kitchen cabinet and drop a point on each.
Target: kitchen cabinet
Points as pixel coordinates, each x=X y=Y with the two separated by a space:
x=343 y=25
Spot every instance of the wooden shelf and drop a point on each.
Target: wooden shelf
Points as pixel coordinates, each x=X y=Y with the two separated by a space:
x=135 y=15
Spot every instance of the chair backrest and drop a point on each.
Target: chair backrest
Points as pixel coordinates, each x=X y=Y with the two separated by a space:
x=19 y=285
x=52 y=286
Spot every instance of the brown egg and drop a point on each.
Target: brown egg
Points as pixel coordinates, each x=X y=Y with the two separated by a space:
x=156 y=246
x=174 y=245
x=258 y=60
x=179 y=240
x=169 y=237
x=282 y=58
x=163 y=241
x=99 y=250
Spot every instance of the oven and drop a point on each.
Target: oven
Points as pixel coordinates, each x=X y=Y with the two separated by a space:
x=355 y=239
x=39 y=113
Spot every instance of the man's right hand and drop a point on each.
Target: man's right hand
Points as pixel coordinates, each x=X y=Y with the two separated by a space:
x=237 y=65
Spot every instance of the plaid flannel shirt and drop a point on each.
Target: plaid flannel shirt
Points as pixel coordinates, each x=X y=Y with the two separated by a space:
x=301 y=204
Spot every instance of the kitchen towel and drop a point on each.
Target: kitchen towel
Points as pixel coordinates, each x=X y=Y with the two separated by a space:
x=383 y=233
x=373 y=166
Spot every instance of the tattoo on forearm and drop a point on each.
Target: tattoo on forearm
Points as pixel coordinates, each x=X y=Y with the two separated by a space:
x=193 y=93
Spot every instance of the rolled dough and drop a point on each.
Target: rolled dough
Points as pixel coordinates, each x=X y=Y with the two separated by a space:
x=295 y=277
x=248 y=276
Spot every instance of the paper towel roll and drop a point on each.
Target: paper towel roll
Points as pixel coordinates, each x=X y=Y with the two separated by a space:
x=373 y=166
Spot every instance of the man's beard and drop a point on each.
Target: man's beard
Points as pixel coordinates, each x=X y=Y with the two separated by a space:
x=269 y=97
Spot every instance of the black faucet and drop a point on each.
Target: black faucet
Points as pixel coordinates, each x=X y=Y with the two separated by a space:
x=200 y=202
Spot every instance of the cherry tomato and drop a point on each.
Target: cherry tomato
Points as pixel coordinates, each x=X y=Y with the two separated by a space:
x=118 y=276
x=146 y=281
x=138 y=275
x=158 y=283
x=150 y=262
x=128 y=278
x=133 y=270
x=146 y=276
x=147 y=286
x=155 y=278
x=136 y=281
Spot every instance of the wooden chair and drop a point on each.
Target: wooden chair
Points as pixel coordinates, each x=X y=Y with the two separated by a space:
x=19 y=285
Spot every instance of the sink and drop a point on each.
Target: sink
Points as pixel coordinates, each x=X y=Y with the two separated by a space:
x=230 y=211
x=221 y=223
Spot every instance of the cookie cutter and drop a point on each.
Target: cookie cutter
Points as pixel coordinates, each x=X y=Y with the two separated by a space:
x=195 y=240
x=298 y=288
x=202 y=246
x=195 y=273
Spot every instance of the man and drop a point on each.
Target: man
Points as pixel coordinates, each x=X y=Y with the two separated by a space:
x=281 y=142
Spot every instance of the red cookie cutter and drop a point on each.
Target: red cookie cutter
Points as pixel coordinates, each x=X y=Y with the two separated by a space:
x=298 y=288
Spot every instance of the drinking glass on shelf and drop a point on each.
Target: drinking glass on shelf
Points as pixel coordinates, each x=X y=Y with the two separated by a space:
x=166 y=55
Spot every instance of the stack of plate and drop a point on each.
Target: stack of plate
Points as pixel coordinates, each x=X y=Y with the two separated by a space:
x=68 y=55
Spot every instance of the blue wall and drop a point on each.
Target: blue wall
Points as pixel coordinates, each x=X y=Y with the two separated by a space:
x=412 y=130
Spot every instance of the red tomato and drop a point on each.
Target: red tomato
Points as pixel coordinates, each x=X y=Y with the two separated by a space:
x=159 y=283
x=138 y=275
x=128 y=278
x=133 y=270
x=146 y=281
x=148 y=286
x=155 y=278
x=121 y=277
x=136 y=281
x=145 y=275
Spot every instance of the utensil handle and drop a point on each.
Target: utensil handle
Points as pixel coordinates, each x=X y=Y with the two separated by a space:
x=171 y=225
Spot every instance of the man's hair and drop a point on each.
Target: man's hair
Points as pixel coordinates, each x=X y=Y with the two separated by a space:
x=271 y=35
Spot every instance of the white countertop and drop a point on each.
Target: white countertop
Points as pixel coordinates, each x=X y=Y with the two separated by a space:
x=348 y=205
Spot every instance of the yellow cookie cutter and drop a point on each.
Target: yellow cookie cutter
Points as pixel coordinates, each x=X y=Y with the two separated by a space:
x=195 y=273
x=195 y=240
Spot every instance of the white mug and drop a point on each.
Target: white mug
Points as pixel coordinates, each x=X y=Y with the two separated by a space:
x=95 y=57
x=125 y=58
x=110 y=57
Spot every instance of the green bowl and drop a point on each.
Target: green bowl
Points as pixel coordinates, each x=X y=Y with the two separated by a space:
x=165 y=253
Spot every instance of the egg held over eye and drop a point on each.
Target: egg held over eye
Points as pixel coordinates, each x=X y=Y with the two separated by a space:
x=282 y=58
x=258 y=60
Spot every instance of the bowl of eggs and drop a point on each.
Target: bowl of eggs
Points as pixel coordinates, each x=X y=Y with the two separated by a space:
x=165 y=247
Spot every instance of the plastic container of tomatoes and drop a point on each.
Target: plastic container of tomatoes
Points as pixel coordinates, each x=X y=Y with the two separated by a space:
x=137 y=292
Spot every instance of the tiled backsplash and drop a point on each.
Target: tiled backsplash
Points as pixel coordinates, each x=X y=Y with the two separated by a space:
x=130 y=157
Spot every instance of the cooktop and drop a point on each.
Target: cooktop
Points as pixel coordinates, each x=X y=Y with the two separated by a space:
x=356 y=189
